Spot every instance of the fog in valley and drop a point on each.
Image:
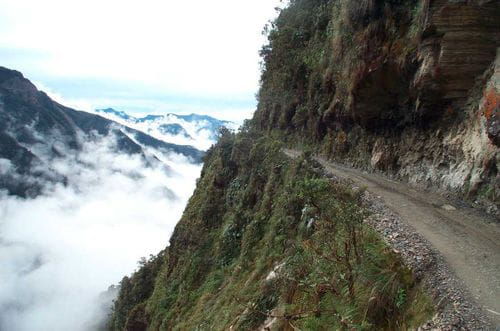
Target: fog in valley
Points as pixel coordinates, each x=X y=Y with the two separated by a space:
x=62 y=249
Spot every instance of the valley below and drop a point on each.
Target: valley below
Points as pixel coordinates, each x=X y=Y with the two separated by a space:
x=84 y=201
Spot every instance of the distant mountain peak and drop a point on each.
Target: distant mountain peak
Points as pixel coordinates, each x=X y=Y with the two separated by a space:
x=198 y=130
x=150 y=118
x=118 y=113
x=6 y=74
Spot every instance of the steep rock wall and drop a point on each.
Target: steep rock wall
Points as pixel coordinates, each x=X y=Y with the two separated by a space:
x=406 y=87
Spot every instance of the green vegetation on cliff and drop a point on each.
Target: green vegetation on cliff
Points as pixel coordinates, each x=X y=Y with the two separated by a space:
x=319 y=55
x=269 y=242
x=265 y=238
x=400 y=86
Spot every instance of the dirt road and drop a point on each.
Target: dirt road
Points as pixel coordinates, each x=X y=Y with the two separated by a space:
x=468 y=241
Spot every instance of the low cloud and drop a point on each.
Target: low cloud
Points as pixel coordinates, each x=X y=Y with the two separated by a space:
x=60 y=250
x=5 y=166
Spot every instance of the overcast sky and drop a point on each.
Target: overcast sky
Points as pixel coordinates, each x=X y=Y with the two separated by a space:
x=142 y=56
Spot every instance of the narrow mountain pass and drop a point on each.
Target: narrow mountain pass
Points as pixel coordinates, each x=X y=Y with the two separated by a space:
x=468 y=241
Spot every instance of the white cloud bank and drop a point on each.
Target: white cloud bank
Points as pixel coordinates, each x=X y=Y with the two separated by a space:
x=195 y=47
x=63 y=248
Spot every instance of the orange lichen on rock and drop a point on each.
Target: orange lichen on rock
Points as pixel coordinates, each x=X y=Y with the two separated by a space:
x=491 y=102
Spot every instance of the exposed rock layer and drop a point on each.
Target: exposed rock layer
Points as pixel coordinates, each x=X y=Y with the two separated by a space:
x=406 y=87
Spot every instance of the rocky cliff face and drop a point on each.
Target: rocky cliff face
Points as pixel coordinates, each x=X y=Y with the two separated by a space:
x=407 y=87
x=410 y=88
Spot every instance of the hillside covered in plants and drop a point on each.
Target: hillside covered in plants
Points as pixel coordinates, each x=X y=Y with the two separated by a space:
x=265 y=240
x=404 y=87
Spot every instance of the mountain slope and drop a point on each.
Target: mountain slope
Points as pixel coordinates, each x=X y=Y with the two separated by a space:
x=34 y=129
x=251 y=250
x=408 y=88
